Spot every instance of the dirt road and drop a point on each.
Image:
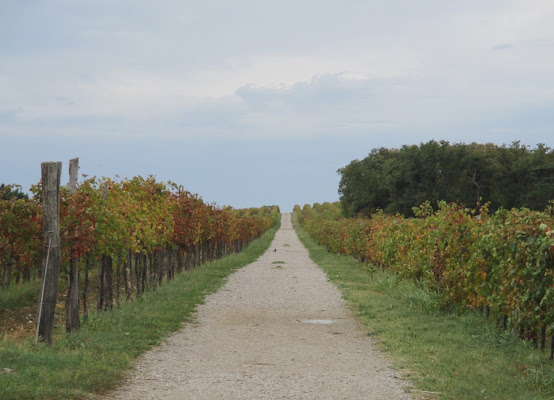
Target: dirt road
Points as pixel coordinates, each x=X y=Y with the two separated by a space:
x=277 y=330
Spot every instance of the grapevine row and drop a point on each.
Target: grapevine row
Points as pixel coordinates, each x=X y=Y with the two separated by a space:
x=502 y=263
x=145 y=229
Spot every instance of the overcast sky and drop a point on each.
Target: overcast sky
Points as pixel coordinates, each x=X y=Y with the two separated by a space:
x=260 y=102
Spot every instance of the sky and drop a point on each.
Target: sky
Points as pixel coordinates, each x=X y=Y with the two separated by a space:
x=252 y=103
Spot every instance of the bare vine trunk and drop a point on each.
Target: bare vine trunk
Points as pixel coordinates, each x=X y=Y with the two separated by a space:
x=159 y=260
x=138 y=274
x=189 y=259
x=105 y=287
x=72 y=307
x=152 y=270
x=144 y=273
x=180 y=260
x=170 y=265
x=6 y=275
x=128 y=276
x=196 y=256
x=85 y=289
x=118 y=281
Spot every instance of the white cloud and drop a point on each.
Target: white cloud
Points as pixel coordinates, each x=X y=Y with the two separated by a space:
x=241 y=68
x=230 y=89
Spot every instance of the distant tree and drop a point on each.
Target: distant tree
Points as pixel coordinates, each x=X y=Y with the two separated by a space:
x=8 y=192
x=395 y=180
x=362 y=187
x=541 y=175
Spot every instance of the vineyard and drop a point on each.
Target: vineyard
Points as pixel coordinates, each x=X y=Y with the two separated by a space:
x=123 y=236
x=501 y=263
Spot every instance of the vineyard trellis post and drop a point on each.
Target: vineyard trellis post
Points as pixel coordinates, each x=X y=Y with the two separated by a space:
x=51 y=173
x=105 y=274
x=72 y=321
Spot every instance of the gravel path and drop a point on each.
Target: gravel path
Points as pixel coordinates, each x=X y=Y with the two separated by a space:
x=274 y=331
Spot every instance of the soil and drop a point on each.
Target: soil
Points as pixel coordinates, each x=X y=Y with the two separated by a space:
x=276 y=330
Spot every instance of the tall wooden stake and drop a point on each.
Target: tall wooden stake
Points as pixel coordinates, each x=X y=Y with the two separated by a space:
x=105 y=275
x=72 y=321
x=51 y=173
x=73 y=174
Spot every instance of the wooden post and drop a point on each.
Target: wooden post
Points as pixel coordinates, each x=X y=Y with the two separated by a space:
x=73 y=174
x=106 y=277
x=105 y=274
x=51 y=255
x=100 y=299
x=159 y=261
x=138 y=273
x=85 y=289
x=170 y=263
x=144 y=273
x=118 y=280
x=128 y=277
x=72 y=321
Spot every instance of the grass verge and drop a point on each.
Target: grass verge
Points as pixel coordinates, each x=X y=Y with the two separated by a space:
x=444 y=355
x=20 y=295
x=96 y=359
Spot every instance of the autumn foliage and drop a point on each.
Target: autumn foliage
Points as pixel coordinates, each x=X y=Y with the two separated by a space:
x=123 y=218
x=502 y=263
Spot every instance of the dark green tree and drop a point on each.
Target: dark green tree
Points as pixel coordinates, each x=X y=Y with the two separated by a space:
x=395 y=180
x=8 y=192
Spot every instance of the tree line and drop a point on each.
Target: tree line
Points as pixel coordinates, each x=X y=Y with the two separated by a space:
x=395 y=180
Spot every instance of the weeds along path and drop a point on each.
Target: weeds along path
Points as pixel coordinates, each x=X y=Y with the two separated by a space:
x=276 y=329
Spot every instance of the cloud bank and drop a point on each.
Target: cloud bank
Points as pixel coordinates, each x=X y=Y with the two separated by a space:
x=361 y=73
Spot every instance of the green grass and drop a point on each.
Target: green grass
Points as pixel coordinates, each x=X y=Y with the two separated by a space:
x=98 y=357
x=445 y=355
x=20 y=295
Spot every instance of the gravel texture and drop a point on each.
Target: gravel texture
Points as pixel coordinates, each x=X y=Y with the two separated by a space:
x=273 y=331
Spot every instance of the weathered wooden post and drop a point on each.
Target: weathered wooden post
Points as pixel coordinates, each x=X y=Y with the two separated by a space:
x=73 y=174
x=128 y=277
x=105 y=276
x=72 y=321
x=51 y=173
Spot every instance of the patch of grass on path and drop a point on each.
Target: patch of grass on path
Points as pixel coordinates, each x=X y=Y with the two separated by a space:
x=96 y=359
x=444 y=355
